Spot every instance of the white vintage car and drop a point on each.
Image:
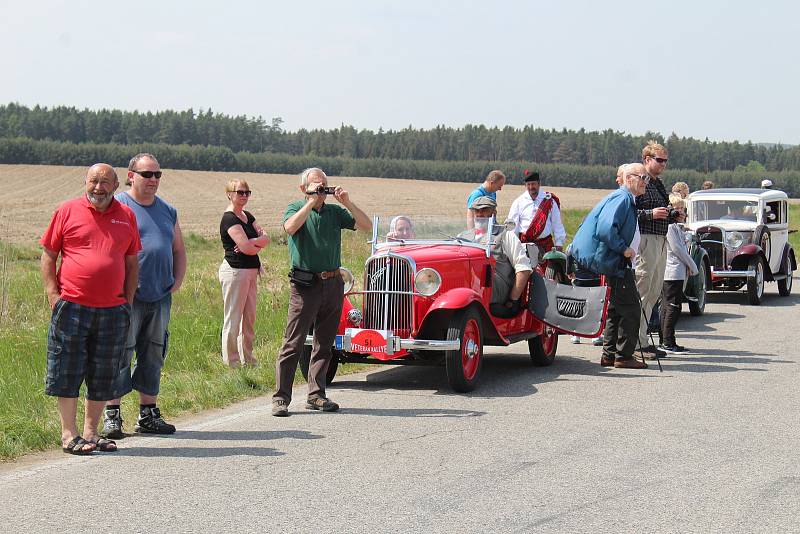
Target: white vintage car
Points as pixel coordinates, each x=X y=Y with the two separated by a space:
x=746 y=235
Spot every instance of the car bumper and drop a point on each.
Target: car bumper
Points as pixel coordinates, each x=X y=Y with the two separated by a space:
x=396 y=344
x=732 y=274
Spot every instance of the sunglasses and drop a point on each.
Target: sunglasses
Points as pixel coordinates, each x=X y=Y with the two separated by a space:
x=149 y=174
x=243 y=193
x=662 y=161
x=643 y=177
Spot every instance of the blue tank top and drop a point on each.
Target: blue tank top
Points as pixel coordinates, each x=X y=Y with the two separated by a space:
x=157 y=231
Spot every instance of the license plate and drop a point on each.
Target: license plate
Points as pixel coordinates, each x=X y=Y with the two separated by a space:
x=367 y=341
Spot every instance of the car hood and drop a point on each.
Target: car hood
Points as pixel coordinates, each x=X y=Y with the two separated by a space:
x=728 y=225
x=425 y=254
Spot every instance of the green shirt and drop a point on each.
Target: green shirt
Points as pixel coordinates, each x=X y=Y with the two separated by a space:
x=317 y=245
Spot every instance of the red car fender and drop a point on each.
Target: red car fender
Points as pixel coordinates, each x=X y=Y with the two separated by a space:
x=455 y=300
x=346 y=307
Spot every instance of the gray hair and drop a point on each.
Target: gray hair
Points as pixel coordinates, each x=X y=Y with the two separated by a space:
x=308 y=172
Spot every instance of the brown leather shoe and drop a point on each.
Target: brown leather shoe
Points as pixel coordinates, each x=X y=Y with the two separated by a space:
x=607 y=361
x=629 y=363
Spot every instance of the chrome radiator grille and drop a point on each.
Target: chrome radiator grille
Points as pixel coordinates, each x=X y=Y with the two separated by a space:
x=389 y=294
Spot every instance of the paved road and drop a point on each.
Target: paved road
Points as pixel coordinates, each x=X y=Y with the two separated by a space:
x=709 y=445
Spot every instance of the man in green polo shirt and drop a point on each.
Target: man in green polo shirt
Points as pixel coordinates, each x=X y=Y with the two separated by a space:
x=316 y=289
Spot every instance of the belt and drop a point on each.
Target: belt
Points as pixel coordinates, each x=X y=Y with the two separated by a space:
x=328 y=274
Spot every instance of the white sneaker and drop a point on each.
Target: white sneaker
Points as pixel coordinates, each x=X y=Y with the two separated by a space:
x=575 y=339
x=598 y=341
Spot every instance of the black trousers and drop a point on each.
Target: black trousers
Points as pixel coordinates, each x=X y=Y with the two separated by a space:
x=624 y=315
x=671 y=299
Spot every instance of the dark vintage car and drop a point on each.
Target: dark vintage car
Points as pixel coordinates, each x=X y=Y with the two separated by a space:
x=746 y=235
x=425 y=300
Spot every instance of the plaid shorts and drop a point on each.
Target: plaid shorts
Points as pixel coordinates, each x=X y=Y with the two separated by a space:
x=86 y=343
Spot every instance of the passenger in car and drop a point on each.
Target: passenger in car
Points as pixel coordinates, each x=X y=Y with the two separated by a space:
x=513 y=268
x=401 y=227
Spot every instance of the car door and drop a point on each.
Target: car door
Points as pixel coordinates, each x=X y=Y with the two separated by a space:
x=776 y=219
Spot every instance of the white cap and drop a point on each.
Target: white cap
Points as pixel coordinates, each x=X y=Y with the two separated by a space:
x=766 y=184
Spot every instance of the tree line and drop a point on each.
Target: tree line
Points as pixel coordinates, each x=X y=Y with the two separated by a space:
x=31 y=151
x=468 y=143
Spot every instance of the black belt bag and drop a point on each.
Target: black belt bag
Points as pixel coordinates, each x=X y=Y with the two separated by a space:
x=301 y=277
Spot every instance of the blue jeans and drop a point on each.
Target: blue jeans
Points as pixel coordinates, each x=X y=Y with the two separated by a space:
x=148 y=337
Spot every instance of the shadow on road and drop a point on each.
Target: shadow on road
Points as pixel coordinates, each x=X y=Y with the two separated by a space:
x=197 y=452
x=412 y=412
x=771 y=299
x=242 y=435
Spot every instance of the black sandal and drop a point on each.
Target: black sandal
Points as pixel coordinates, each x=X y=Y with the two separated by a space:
x=105 y=445
x=76 y=446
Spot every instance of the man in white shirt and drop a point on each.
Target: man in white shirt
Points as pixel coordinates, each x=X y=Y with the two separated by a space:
x=537 y=216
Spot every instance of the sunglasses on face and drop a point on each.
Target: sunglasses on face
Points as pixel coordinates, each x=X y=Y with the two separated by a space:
x=662 y=161
x=243 y=193
x=149 y=174
x=643 y=177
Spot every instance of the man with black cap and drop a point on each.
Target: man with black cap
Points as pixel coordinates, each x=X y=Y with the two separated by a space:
x=513 y=268
x=536 y=215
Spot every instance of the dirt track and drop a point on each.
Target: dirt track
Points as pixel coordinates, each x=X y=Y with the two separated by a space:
x=26 y=207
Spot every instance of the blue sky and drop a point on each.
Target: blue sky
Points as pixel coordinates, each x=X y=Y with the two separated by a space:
x=723 y=70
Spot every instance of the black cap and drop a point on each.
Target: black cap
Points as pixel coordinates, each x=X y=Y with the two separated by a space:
x=531 y=176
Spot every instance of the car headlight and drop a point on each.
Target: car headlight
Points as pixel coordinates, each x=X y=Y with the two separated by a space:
x=427 y=281
x=733 y=240
x=348 y=279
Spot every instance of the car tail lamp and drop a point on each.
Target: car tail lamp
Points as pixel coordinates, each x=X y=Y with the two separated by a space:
x=733 y=240
x=348 y=278
x=427 y=282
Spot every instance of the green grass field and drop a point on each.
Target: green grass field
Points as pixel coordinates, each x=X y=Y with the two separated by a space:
x=194 y=378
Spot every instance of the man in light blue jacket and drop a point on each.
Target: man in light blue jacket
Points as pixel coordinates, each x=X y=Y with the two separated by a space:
x=602 y=245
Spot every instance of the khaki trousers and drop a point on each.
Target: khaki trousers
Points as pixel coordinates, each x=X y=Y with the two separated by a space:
x=650 y=264
x=239 y=297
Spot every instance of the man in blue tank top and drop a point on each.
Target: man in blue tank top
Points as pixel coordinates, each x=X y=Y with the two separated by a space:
x=162 y=265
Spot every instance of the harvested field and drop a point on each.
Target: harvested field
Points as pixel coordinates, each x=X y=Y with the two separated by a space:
x=31 y=193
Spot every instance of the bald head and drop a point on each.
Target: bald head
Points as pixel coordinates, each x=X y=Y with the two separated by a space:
x=635 y=178
x=101 y=182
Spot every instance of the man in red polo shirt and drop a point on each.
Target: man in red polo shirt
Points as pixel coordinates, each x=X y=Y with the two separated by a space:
x=90 y=296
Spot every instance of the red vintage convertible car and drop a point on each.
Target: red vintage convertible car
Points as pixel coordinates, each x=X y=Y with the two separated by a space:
x=425 y=301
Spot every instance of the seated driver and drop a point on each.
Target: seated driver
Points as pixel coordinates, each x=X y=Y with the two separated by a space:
x=401 y=227
x=513 y=265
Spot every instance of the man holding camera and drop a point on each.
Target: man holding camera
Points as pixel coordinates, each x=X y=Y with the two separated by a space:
x=654 y=220
x=316 y=289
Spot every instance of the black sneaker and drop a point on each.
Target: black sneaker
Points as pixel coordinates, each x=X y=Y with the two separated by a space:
x=321 y=403
x=280 y=408
x=151 y=422
x=112 y=424
x=652 y=353
x=674 y=349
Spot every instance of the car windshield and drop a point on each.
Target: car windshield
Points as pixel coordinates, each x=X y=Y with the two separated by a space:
x=714 y=209
x=406 y=229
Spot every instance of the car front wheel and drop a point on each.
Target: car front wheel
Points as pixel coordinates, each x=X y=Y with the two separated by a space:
x=464 y=365
x=755 y=284
x=785 y=285
x=698 y=307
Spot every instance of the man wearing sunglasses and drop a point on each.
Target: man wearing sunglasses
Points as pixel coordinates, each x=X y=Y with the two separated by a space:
x=653 y=212
x=162 y=266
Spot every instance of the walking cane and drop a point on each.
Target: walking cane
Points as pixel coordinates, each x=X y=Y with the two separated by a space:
x=646 y=322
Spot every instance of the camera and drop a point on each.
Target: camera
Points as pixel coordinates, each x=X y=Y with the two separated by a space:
x=323 y=190
x=673 y=214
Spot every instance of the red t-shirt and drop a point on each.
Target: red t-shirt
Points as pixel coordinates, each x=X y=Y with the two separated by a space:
x=93 y=246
